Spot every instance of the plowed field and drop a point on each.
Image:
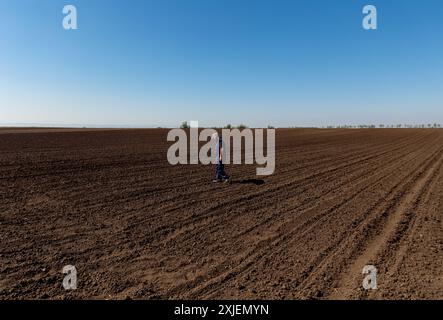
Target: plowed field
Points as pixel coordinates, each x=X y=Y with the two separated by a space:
x=108 y=202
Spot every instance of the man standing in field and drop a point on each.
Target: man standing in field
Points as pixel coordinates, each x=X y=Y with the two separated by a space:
x=220 y=174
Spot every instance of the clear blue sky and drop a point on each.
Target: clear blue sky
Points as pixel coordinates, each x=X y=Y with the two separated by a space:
x=157 y=63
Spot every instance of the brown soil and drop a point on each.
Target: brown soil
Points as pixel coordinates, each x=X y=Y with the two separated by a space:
x=108 y=202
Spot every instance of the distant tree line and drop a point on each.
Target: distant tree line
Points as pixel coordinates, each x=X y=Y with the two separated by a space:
x=185 y=125
x=241 y=126
x=369 y=126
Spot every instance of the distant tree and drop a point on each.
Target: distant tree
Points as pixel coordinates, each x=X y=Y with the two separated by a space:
x=228 y=126
x=381 y=125
x=270 y=127
x=184 y=125
x=242 y=126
